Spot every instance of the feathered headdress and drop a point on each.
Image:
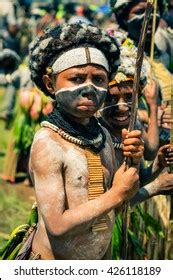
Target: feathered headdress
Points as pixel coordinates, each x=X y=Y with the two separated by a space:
x=128 y=54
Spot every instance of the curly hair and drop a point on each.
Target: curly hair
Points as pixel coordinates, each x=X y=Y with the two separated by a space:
x=46 y=49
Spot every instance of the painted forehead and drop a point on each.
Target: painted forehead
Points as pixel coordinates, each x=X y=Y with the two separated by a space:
x=93 y=68
x=120 y=91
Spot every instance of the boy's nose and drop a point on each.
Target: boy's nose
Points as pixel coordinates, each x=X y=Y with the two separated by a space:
x=88 y=91
x=122 y=105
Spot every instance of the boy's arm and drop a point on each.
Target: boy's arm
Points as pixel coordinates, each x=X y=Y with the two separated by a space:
x=47 y=166
x=151 y=136
x=163 y=184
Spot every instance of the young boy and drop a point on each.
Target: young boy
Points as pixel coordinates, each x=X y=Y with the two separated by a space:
x=72 y=159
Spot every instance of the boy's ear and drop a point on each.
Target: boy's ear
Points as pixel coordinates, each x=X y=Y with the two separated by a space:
x=48 y=83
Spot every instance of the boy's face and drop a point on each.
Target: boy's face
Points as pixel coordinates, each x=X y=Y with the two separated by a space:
x=137 y=9
x=117 y=107
x=80 y=91
x=135 y=19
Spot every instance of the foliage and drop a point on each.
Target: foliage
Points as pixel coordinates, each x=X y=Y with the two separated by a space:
x=117 y=238
x=4 y=136
x=141 y=224
x=13 y=211
x=151 y=226
x=24 y=130
x=19 y=236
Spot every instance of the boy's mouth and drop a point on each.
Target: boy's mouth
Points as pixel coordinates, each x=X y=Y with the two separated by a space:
x=86 y=105
x=121 y=119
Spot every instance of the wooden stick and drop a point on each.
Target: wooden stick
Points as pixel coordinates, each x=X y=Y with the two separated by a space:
x=139 y=61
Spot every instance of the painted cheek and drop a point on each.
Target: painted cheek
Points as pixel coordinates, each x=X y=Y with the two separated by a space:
x=72 y=97
x=66 y=99
x=100 y=98
x=108 y=113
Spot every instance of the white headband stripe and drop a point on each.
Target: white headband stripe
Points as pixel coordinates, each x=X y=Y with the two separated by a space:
x=79 y=56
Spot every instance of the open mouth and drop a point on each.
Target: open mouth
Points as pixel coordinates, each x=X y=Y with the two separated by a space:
x=121 y=118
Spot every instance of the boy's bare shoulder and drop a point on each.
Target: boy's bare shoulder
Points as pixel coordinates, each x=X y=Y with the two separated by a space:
x=46 y=145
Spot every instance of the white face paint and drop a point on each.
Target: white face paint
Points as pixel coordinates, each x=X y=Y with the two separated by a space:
x=128 y=104
x=78 y=87
x=80 y=101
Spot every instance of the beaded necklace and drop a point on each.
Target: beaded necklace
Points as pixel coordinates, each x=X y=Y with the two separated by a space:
x=62 y=133
x=117 y=145
x=96 y=179
x=91 y=135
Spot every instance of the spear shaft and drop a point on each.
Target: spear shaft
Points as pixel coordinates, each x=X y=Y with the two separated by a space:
x=139 y=61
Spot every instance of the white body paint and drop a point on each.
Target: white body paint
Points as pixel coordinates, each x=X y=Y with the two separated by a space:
x=60 y=175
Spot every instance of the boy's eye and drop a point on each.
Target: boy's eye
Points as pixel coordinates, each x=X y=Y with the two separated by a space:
x=114 y=99
x=140 y=12
x=77 y=79
x=99 y=80
x=128 y=97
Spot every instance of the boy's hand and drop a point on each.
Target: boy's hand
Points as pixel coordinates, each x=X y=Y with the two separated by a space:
x=133 y=145
x=125 y=182
x=151 y=92
x=165 y=156
x=164 y=116
x=163 y=184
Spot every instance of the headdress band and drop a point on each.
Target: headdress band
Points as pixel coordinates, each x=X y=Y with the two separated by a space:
x=119 y=78
x=77 y=57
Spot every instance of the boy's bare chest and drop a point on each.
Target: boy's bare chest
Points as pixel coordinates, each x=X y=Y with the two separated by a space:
x=76 y=176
